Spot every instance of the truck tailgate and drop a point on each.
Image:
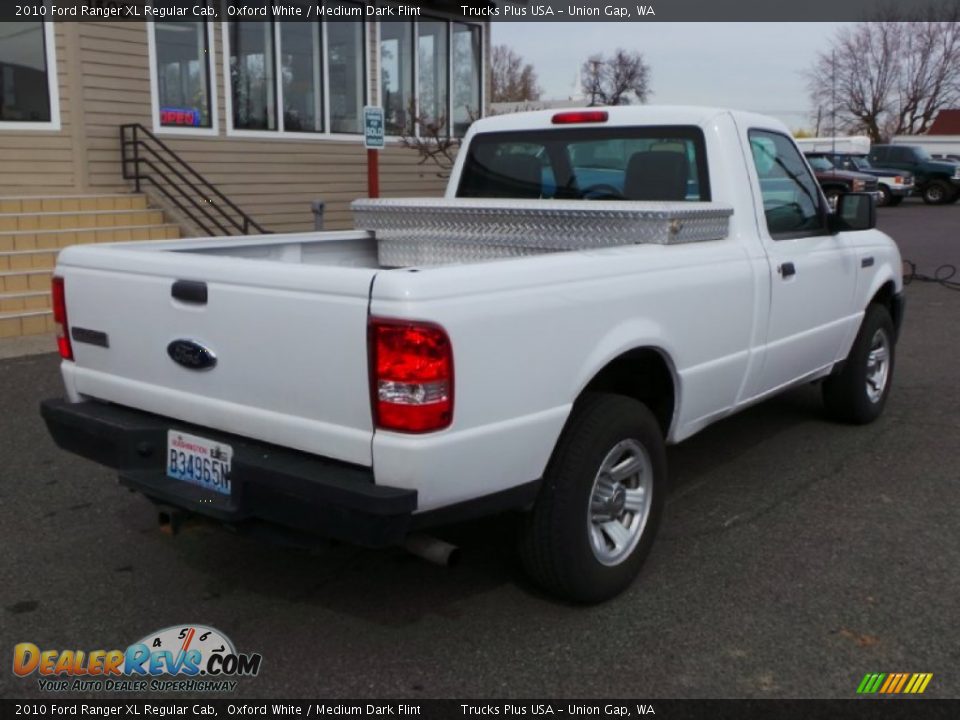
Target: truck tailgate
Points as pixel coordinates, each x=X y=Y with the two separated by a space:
x=290 y=351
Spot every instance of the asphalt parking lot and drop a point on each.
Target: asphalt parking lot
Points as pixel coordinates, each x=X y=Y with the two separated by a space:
x=796 y=556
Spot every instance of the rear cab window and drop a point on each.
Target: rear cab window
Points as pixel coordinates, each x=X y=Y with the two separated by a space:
x=610 y=163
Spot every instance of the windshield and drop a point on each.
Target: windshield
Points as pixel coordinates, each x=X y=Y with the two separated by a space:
x=818 y=162
x=604 y=163
x=860 y=163
x=921 y=153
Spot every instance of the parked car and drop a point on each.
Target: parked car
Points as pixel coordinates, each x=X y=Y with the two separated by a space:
x=893 y=185
x=937 y=181
x=514 y=346
x=836 y=182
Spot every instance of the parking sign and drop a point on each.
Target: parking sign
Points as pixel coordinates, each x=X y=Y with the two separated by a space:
x=373 y=128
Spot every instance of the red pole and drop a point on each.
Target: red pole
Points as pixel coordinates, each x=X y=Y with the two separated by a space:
x=373 y=173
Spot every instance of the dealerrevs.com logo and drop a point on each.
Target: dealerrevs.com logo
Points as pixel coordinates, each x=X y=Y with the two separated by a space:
x=180 y=658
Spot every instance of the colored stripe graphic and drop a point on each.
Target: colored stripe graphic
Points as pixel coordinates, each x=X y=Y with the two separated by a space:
x=894 y=683
x=871 y=683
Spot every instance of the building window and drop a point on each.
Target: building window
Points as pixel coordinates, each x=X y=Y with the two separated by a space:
x=448 y=70
x=183 y=73
x=433 y=64
x=28 y=87
x=347 y=75
x=396 y=75
x=296 y=77
x=301 y=70
x=253 y=84
x=467 y=76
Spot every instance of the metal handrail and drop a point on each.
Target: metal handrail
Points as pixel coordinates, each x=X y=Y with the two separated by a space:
x=197 y=196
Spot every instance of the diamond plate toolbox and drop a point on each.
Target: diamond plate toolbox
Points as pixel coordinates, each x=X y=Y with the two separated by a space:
x=432 y=231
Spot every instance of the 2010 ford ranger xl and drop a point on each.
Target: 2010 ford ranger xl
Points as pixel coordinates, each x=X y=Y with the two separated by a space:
x=595 y=284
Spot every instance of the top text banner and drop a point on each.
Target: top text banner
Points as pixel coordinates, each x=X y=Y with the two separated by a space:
x=497 y=11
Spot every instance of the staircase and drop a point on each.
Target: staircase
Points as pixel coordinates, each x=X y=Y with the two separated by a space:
x=34 y=229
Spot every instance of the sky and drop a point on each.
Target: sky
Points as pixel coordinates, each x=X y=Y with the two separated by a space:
x=746 y=66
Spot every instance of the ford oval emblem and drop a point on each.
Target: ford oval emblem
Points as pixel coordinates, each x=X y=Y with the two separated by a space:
x=192 y=355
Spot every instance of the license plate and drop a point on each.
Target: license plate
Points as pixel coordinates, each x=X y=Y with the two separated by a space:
x=199 y=461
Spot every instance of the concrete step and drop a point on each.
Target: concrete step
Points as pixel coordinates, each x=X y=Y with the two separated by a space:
x=19 y=302
x=53 y=240
x=72 y=203
x=25 y=281
x=18 y=324
x=36 y=222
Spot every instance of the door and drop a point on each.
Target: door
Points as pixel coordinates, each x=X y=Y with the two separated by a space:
x=813 y=274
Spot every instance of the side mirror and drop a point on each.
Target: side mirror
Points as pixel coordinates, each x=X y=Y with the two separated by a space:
x=855 y=211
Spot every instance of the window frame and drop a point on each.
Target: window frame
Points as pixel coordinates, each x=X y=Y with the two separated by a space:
x=281 y=133
x=53 y=87
x=158 y=128
x=822 y=212
x=449 y=21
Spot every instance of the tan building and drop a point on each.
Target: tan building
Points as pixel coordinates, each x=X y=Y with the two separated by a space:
x=269 y=113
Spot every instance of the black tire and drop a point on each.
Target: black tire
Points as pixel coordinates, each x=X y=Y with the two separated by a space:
x=847 y=394
x=555 y=543
x=833 y=194
x=937 y=193
x=895 y=200
x=886 y=197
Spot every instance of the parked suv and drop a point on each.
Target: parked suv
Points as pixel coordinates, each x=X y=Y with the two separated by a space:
x=836 y=182
x=894 y=185
x=937 y=181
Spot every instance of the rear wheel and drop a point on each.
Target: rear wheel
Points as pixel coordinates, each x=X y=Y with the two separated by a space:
x=858 y=393
x=937 y=193
x=886 y=197
x=601 y=501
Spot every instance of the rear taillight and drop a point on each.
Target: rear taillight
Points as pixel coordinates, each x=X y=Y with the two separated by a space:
x=411 y=376
x=59 y=298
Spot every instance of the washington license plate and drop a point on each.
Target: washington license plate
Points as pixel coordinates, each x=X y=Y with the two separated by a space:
x=199 y=461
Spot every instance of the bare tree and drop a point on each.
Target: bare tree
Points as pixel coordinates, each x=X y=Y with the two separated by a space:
x=931 y=74
x=887 y=78
x=618 y=80
x=429 y=137
x=511 y=79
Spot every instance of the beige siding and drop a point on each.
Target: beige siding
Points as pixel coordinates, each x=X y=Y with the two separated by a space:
x=273 y=179
x=50 y=168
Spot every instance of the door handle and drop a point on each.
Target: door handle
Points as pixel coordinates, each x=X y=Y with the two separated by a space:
x=786 y=270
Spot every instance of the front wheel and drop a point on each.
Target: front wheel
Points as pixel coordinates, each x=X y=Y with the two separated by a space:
x=833 y=195
x=886 y=197
x=858 y=393
x=600 y=503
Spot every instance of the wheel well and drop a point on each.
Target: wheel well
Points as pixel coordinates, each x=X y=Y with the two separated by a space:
x=644 y=375
x=884 y=296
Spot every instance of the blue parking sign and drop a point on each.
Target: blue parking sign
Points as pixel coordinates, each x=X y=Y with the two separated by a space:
x=373 y=128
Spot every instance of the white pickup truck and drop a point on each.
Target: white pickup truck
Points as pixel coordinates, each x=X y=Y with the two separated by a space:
x=594 y=285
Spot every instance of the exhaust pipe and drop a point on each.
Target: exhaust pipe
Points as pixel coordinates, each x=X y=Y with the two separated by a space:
x=170 y=519
x=432 y=549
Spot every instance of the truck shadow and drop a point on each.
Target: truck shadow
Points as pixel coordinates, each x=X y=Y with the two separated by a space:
x=392 y=588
